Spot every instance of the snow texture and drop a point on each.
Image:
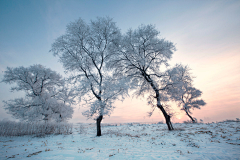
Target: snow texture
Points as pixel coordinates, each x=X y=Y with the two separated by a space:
x=130 y=141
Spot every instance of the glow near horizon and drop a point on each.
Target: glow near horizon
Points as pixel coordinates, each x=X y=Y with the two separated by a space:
x=206 y=34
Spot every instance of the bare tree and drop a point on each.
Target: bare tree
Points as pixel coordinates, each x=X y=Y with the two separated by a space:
x=84 y=51
x=46 y=96
x=143 y=57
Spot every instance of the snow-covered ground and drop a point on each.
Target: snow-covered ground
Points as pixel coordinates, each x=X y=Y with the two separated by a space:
x=130 y=141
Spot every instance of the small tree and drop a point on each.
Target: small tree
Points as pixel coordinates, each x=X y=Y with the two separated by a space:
x=190 y=100
x=85 y=50
x=143 y=57
x=46 y=96
x=187 y=96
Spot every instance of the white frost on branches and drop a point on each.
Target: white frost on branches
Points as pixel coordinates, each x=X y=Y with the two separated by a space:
x=84 y=50
x=191 y=100
x=47 y=97
x=188 y=97
x=143 y=57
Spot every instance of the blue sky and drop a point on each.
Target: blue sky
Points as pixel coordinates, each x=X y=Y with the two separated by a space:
x=206 y=34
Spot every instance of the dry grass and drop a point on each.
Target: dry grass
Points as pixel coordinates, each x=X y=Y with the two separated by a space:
x=9 y=128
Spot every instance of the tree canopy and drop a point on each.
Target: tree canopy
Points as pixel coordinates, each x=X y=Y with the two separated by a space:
x=85 y=50
x=46 y=97
x=143 y=57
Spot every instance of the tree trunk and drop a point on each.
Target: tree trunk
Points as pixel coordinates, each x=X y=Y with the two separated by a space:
x=193 y=121
x=166 y=116
x=99 y=119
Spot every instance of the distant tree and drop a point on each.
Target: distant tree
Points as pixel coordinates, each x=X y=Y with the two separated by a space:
x=190 y=100
x=143 y=57
x=188 y=97
x=84 y=51
x=46 y=97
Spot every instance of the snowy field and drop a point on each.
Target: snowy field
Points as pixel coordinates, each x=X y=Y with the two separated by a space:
x=130 y=141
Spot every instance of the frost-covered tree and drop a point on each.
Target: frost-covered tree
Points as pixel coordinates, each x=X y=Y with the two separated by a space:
x=188 y=97
x=143 y=57
x=190 y=100
x=84 y=50
x=46 y=97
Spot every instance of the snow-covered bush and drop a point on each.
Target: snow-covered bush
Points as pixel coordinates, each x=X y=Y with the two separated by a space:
x=10 y=128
